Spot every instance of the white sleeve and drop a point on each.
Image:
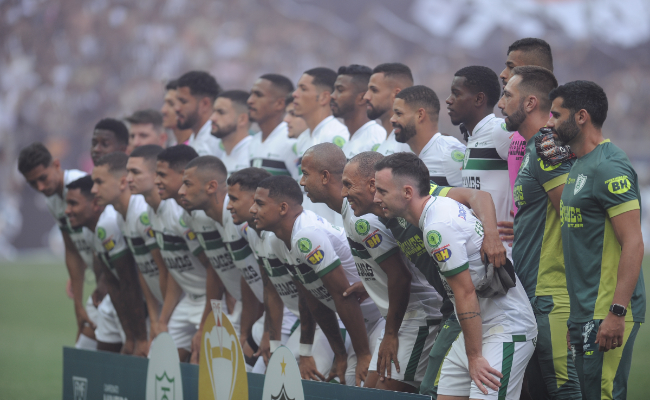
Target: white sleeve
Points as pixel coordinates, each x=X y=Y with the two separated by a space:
x=446 y=245
x=502 y=139
x=376 y=238
x=314 y=249
x=453 y=163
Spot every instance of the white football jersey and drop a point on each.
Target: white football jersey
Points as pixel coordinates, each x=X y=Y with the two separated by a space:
x=179 y=247
x=109 y=242
x=215 y=249
x=277 y=154
x=371 y=134
x=371 y=243
x=390 y=146
x=318 y=247
x=239 y=157
x=443 y=156
x=453 y=237
x=56 y=204
x=140 y=238
x=485 y=166
x=204 y=143
x=83 y=239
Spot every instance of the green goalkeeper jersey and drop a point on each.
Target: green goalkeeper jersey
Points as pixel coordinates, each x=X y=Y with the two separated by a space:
x=600 y=186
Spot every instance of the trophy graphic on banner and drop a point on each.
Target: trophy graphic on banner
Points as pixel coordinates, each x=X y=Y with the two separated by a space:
x=221 y=360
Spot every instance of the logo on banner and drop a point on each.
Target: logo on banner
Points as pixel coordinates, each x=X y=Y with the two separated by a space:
x=222 y=373
x=79 y=388
x=282 y=380
x=164 y=380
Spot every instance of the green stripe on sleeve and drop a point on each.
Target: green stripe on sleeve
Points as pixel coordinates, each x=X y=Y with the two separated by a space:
x=506 y=367
x=555 y=182
x=456 y=271
x=444 y=191
x=623 y=208
x=328 y=269
x=387 y=254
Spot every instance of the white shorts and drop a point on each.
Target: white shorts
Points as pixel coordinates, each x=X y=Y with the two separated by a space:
x=415 y=342
x=510 y=358
x=109 y=329
x=321 y=350
x=84 y=342
x=91 y=310
x=374 y=331
x=185 y=321
x=290 y=324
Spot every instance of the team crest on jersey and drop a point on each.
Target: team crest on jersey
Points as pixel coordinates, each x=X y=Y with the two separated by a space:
x=465 y=158
x=402 y=222
x=457 y=155
x=525 y=162
x=101 y=233
x=373 y=240
x=304 y=245
x=375 y=147
x=503 y=126
x=144 y=219
x=160 y=240
x=362 y=226
x=182 y=222
x=580 y=183
x=434 y=238
x=339 y=141
x=316 y=256
x=443 y=254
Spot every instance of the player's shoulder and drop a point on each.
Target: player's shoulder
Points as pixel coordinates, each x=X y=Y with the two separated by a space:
x=450 y=142
x=71 y=175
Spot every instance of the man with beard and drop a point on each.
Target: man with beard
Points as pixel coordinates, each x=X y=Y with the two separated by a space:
x=603 y=246
x=385 y=82
x=537 y=250
x=196 y=92
x=474 y=92
x=272 y=148
x=169 y=117
x=348 y=103
x=415 y=121
x=110 y=135
x=230 y=124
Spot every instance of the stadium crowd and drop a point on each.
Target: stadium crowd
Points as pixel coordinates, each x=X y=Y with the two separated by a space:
x=382 y=252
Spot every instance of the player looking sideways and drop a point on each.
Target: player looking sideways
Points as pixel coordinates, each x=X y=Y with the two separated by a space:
x=44 y=174
x=348 y=103
x=110 y=135
x=272 y=148
x=384 y=83
x=295 y=125
x=169 y=118
x=603 y=245
x=537 y=247
x=415 y=119
x=489 y=358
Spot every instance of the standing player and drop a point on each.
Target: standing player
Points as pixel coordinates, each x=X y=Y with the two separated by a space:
x=603 y=246
x=295 y=125
x=196 y=92
x=385 y=82
x=122 y=308
x=317 y=252
x=499 y=330
x=44 y=174
x=537 y=247
x=410 y=306
x=169 y=117
x=271 y=148
x=110 y=135
x=348 y=103
x=146 y=127
x=415 y=120
x=474 y=93
x=230 y=124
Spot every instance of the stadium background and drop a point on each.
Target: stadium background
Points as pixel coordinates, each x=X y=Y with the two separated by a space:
x=66 y=64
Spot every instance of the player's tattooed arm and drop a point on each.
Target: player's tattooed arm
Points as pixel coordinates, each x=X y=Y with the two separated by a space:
x=482 y=205
x=76 y=269
x=273 y=308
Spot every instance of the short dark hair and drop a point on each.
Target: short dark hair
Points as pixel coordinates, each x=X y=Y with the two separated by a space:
x=583 y=95
x=360 y=75
x=236 y=96
x=407 y=165
x=117 y=127
x=115 y=161
x=153 y=117
x=282 y=83
x=421 y=96
x=248 y=178
x=209 y=164
x=282 y=187
x=201 y=84
x=149 y=152
x=323 y=77
x=85 y=184
x=177 y=156
x=172 y=85
x=482 y=79
x=538 y=50
x=537 y=80
x=366 y=163
x=32 y=156
x=394 y=70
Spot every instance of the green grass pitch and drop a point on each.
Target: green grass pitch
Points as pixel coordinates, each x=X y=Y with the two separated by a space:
x=36 y=321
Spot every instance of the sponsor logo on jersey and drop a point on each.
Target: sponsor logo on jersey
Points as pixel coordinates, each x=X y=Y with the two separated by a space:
x=432 y=187
x=443 y=254
x=144 y=219
x=472 y=182
x=339 y=141
x=189 y=234
x=149 y=232
x=546 y=166
x=462 y=212
x=402 y=222
x=457 y=156
x=434 y=238
x=101 y=233
x=374 y=240
x=362 y=226
x=571 y=216
x=316 y=257
x=304 y=245
x=518 y=194
x=109 y=244
x=580 y=183
x=618 y=185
